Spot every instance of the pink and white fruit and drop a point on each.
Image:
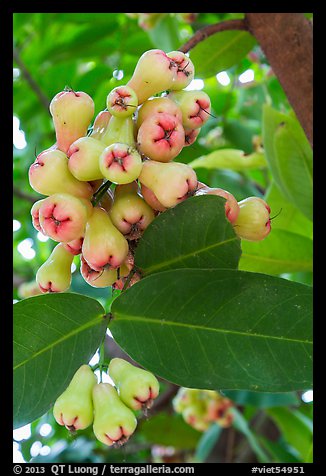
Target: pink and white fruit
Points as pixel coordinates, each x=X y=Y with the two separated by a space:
x=120 y=130
x=122 y=101
x=191 y=136
x=137 y=387
x=120 y=163
x=35 y=212
x=253 y=222
x=104 y=245
x=84 y=156
x=152 y=75
x=54 y=275
x=185 y=70
x=50 y=174
x=100 y=124
x=63 y=217
x=151 y=199
x=161 y=137
x=130 y=214
x=171 y=182
x=195 y=107
x=72 y=113
x=158 y=105
x=114 y=422
x=97 y=279
x=74 y=407
x=232 y=208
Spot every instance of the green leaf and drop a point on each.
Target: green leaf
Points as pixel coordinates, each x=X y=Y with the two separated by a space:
x=296 y=430
x=194 y=234
x=218 y=329
x=53 y=335
x=169 y=430
x=221 y=51
x=165 y=34
x=279 y=452
x=241 y=424
x=262 y=399
x=207 y=443
x=231 y=159
x=289 y=155
x=280 y=252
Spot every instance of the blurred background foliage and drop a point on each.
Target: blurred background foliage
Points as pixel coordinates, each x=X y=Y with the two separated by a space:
x=94 y=52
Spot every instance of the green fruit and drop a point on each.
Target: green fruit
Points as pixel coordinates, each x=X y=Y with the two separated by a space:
x=113 y=421
x=55 y=274
x=137 y=387
x=74 y=407
x=253 y=222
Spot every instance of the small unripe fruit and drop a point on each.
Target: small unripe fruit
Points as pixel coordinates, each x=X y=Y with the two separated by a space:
x=185 y=70
x=114 y=422
x=232 y=208
x=50 y=174
x=120 y=130
x=161 y=137
x=253 y=222
x=158 y=105
x=171 y=182
x=54 y=275
x=195 y=107
x=137 y=387
x=130 y=214
x=100 y=124
x=72 y=113
x=104 y=246
x=83 y=160
x=152 y=75
x=122 y=101
x=120 y=163
x=74 y=407
x=63 y=217
x=97 y=279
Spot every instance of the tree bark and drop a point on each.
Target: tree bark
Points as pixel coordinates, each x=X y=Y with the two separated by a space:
x=286 y=40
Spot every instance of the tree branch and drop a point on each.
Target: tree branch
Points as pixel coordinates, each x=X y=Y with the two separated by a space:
x=33 y=84
x=25 y=196
x=286 y=40
x=210 y=30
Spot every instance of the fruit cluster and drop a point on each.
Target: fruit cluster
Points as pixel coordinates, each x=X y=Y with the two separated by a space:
x=109 y=408
x=105 y=185
x=200 y=408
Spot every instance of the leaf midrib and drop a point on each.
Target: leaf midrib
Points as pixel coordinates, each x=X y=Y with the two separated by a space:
x=210 y=329
x=93 y=322
x=164 y=264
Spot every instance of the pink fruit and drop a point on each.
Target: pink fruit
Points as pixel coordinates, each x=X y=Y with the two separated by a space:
x=50 y=174
x=97 y=279
x=84 y=158
x=35 y=212
x=185 y=70
x=71 y=113
x=161 y=137
x=104 y=246
x=120 y=163
x=55 y=274
x=151 y=199
x=158 y=105
x=195 y=107
x=100 y=124
x=130 y=214
x=231 y=205
x=253 y=222
x=63 y=217
x=152 y=75
x=171 y=182
x=75 y=246
x=122 y=101
x=191 y=136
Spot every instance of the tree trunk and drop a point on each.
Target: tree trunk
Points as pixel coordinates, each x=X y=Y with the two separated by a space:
x=286 y=40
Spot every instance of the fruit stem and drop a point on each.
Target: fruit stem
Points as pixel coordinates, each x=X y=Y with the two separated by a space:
x=130 y=275
x=100 y=192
